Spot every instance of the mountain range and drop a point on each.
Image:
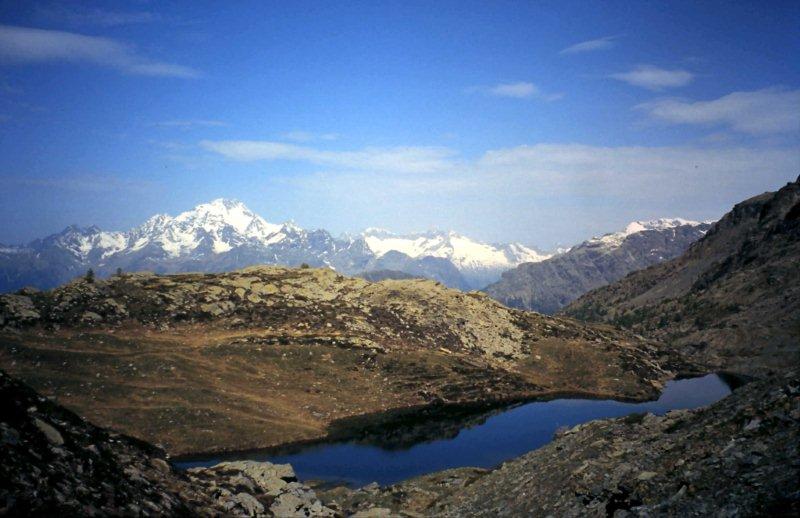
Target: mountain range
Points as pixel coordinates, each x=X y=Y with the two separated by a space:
x=547 y=286
x=732 y=301
x=223 y=235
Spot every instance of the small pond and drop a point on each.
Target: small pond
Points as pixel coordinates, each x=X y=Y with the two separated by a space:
x=484 y=439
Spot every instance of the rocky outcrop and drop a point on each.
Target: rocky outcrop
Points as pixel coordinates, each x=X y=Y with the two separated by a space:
x=248 y=488
x=266 y=355
x=738 y=457
x=549 y=285
x=55 y=463
x=732 y=301
x=380 y=315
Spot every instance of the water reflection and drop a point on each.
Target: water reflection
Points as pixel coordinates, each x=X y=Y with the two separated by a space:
x=431 y=441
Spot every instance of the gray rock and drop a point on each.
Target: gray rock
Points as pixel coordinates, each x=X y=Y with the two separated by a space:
x=53 y=436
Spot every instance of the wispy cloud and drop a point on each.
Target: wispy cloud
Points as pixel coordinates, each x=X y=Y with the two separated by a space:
x=26 y=45
x=96 y=17
x=654 y=78
x=190 y=123
x=772 y=110
x=635 y=172
x=518 y=90
x=307 y=136
x=394 y=159
x=593 y=184
x=591 y=45
x=651 y=172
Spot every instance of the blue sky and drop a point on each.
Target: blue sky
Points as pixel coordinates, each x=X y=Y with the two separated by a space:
x=539 y=122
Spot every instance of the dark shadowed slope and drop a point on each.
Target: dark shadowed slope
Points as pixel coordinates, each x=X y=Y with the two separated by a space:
x=731 y=301
x=54 y=463
x=549 y=285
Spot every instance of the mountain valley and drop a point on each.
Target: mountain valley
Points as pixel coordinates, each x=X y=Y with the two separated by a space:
x=270 y=356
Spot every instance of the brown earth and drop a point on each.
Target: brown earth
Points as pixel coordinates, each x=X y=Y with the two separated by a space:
x=266 y=355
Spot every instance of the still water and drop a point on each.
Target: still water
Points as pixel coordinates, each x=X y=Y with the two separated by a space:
x=484 y=440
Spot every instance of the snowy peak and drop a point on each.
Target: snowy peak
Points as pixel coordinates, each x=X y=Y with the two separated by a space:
x=658 y=224
x=85 y=241
x=220 y=225
x=224 y=234
x=465 y=253
x=615 y=239
x=221 y=213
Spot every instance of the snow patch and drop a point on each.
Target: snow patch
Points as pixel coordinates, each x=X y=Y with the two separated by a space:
x=615 y=239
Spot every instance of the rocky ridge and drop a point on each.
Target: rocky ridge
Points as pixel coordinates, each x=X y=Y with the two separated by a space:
x=549 y=285
x=732 y=301
x=267 y=355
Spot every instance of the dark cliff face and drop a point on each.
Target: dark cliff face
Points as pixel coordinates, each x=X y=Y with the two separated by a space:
x=731 y=301
x=550 y=285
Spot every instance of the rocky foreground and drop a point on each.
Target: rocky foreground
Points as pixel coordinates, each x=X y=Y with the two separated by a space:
x=738 y=457
x=55 y=463
x=268 y=355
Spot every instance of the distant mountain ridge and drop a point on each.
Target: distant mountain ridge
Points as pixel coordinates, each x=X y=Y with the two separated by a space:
x=548 y=285
x=224 y=235
x=732 y=301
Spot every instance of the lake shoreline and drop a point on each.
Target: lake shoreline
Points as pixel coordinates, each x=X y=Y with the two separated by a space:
x=398 y=433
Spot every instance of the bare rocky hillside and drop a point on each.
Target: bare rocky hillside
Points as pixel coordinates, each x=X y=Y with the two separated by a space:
x=269 y=355
x=732 y=301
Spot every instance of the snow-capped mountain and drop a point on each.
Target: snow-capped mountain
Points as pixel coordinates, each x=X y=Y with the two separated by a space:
x=549 y=285
x=225 y=234
x=218 y=226
x=479 y=261
x=615 y=239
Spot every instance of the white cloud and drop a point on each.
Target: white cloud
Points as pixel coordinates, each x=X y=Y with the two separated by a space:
x=650 y=174
x=589 y=46
x=548 y=193
x=772 y=110
x=641 y=172
x=307 y=136
x=654 y=78
x=24 y=45
x=518 y=90
x=394 y=159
